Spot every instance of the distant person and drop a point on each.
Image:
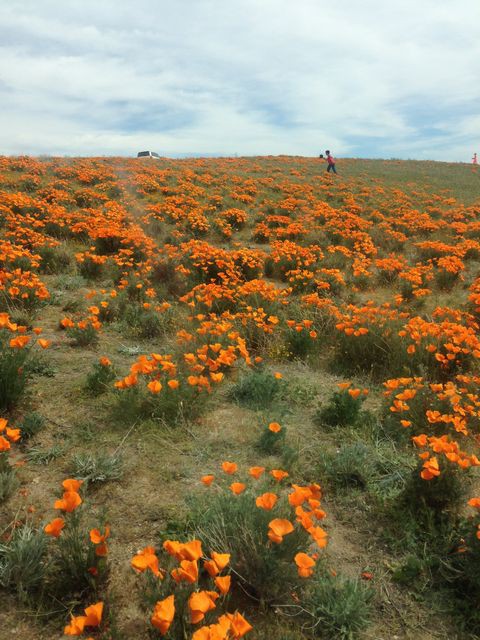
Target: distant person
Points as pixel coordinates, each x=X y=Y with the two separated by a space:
x=474 y=159
x=330 y=162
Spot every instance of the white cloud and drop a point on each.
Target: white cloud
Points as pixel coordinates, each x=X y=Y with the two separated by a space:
x=244 y=76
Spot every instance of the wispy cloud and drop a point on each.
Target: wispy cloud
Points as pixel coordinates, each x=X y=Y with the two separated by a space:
x=368 y=78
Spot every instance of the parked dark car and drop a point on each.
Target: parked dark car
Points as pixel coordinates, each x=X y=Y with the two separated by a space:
x=148 y=154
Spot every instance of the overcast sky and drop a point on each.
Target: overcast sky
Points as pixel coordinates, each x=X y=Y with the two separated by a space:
x=364 y=78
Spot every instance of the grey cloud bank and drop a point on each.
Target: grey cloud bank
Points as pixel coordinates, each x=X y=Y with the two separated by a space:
x=365 y=78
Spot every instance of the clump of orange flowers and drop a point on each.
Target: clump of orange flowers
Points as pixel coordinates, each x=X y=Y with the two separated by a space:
x=189 y=605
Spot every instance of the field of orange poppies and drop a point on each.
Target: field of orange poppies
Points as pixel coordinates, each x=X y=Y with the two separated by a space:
x=239 y=398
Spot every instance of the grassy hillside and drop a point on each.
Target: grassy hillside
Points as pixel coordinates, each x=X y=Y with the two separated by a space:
x=162 y=318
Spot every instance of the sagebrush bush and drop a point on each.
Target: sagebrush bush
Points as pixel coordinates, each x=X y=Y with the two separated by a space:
x=97 y=467
x=14 y=372
x=340 y=607
x=377 y=468
x=22 y=561
x=256 y=389
x=265 y=571
x=31 y=424
x=8 y=478
x=145 y=324
x=54 y=260
x=100 y=379
x=341 y=410
x=88 y=336
x=271 y=440
x=171 y=406
x=69 y=572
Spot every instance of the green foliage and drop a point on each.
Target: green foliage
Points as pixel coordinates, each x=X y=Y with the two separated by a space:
x=270 y=442
x=44 y=456
x=265 y=571
x=378 y=353
x=69 y=282
x=22 y=565
x=90 y=269
x=54 y=260
x=256 y=389
x=31 y=424
x=70 y=574
x=300 y=344
x=172 y=406
x=100 y=379
x=14 y=372
x=341 y=410
x=339 y=606
x=83 y=337
x=8 y=478
x=97 y=467
x=441 y=495
x=145 y=324
x=377 y=468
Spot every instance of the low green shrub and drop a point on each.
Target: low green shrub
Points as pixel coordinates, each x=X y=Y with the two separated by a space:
x=256 y=389
x=97 y=467
x=31 y=424
x=8 y=478
x=340 y=607
x=272 y=439
x=54 y=260
x=22 y=561
x=341 y=410
x=101 y=378
x=14 y=372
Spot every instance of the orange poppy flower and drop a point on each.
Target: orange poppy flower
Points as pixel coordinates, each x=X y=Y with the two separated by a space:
x=299 y=495
x=343 y=385
x=223 y=584
x=238 y=626
x=99 y=539
x=354 y=393
x=44 y=343
x=256 y=472
x=229 y=467
x=279 y=474
x=474 y=502
x=199 y=603
x=105 y=362
x=274 y=427
x=76 y=626
x=154 y=386
x=146 y=559
x=13 y=435
x=431 y=469
x=173 y=384
x=266 y=501
x=278 y=528
x=71 y=484
x=4 y=444
x=319 y=535
x=277 y=375
x=94 y=614
x=305 y=565
x=163 y=614
x=54 y=528
x=187 y=572
x=218 y=562
x=70 y=501
x=237 y=488
x=207 y=480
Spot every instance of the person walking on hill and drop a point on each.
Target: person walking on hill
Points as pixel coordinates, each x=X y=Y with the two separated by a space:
x=330 y=162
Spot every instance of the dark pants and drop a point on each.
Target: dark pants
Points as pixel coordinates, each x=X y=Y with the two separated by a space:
x=332 y=167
